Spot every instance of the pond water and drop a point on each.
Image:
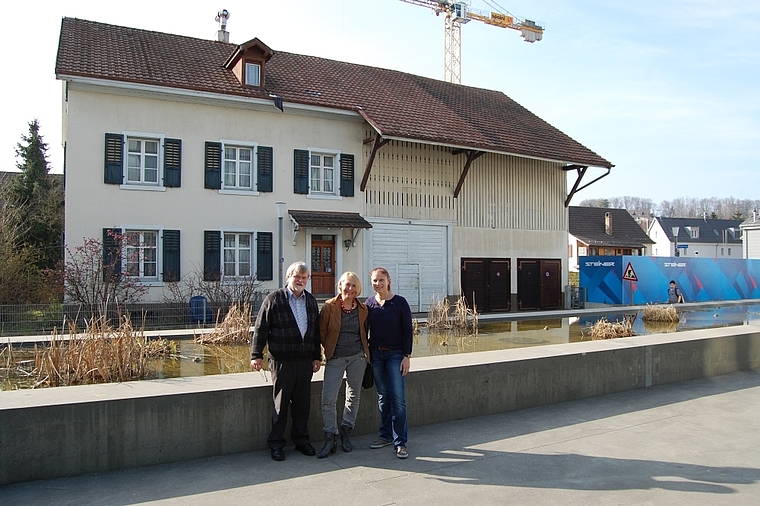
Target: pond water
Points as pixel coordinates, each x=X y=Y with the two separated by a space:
x=194 y=359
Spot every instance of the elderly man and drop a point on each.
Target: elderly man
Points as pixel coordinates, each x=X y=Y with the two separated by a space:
x=288 y=322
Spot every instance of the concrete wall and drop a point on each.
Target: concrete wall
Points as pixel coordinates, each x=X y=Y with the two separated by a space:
x=74 y=430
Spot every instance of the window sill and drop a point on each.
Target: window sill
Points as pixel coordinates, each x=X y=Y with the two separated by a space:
x=247 y=193
x=149 y=188
x=324 y=196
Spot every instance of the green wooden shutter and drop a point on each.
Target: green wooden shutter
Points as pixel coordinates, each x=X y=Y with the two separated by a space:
x=212 y=259
x=114 y=172
x=264 y=169
x=264 y=256
x=346 y=175
x=111 y=254
x=301 y=171
x=213 y=165
x=171 y=255
x=172 y=163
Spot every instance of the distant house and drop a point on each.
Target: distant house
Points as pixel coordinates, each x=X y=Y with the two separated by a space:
x=599 y=231
x=695 y=237
x=751 y=236
x=184 y=146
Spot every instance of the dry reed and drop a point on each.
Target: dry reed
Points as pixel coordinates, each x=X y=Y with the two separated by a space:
x=234 y=329
x=102 y=354
x=661 y=314
x=461 y=321
x=604 y=329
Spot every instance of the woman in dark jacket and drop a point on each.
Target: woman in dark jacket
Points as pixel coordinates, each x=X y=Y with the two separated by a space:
x=343 y=329
x=390 y=332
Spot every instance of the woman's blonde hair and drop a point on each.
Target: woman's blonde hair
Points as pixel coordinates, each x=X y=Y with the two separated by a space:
x=352 y=277
x=384 y=271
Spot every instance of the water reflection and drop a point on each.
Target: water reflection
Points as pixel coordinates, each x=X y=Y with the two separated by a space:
x=194 y=359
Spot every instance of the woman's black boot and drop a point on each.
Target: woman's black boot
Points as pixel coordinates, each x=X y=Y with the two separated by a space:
x=331 y=444
x=345 y=438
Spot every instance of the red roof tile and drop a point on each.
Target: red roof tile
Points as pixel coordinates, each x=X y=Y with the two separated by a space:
x=395 y=103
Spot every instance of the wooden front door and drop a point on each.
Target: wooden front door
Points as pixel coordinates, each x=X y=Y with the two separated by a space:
x=323 y=265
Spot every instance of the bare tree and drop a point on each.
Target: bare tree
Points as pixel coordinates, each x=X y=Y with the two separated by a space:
x=88 y=279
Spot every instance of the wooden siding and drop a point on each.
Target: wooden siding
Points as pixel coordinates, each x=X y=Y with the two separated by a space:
x=416 y=181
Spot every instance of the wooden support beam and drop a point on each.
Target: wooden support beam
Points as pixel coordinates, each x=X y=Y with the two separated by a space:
x=472 y=155
x=379 y=143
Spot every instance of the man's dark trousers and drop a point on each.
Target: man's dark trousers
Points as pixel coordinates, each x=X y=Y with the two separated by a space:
x=291 y=382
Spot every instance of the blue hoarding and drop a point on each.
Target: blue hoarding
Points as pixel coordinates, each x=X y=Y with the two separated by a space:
x=644 y=280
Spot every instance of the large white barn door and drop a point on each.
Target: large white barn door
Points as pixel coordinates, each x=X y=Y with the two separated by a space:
x=416 y=257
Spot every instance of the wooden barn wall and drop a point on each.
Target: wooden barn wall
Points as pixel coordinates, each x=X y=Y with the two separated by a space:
x=417 y=181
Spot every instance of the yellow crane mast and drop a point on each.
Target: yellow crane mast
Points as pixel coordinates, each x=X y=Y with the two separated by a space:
x=458 y=13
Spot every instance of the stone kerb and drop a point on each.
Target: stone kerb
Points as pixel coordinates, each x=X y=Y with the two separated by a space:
x=68 y=431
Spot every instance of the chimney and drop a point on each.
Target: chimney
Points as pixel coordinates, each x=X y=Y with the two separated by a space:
x=223 y=35
x=608 y=223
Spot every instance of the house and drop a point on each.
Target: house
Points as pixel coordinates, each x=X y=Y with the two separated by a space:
x=184 y=146
x=751 y=236
x=599 y=231
x=695 y=237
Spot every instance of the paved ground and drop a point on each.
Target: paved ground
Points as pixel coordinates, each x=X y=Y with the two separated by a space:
x=688 y=443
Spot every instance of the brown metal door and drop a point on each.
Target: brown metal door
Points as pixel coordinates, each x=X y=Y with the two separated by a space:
x=474 y=283
x=499 y=286
x=528 y=284
x=323 y=266
x=486 y=283
x=551 y=284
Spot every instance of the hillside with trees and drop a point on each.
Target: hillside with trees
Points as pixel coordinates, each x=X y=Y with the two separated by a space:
x=681 y=207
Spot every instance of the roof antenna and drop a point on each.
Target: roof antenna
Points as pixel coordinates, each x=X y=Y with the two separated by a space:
x=223 y=35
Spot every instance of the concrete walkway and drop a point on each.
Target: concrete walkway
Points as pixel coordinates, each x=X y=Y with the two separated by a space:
x=686 y=443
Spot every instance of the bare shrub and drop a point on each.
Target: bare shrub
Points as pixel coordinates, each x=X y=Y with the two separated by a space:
x=226 y=292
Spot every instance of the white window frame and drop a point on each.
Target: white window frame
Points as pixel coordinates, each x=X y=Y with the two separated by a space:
x=156 y=280
x=238 y=190
x=254 y=249
x=258 y=74
x=321 y=194
x=142 y=185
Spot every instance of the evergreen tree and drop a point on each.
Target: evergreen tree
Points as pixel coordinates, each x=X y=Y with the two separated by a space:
x=33 y=207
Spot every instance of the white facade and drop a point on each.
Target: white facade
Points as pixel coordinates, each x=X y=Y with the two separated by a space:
x=717 y=248
x=92 y=111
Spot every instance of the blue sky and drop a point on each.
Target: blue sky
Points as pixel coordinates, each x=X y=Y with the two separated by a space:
x=668 y=90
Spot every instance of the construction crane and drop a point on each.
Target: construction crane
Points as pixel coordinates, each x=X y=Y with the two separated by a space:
x=458 y=13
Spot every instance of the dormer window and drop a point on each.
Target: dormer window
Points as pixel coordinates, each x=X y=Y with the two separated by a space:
x=248 y=63
x=253 y=74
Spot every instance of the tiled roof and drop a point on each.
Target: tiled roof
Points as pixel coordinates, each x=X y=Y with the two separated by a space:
x=328 y=219
x=710 y=231
x=588 y=225
x=396 y=104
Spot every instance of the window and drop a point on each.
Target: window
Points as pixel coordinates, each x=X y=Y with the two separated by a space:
x=238 y=167
x=322 y=173
x=694 y=231
x=721 y=252
x=237 y=254
x=253 y=74
x=141 y=254
x=148 y=256
x=729 y=251
x=142 y=161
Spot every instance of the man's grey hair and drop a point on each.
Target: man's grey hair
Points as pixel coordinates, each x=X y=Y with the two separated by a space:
x=296 y=268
